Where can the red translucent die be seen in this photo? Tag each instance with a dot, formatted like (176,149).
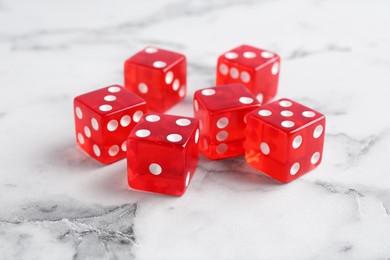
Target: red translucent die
(104,119)
(162,153)
(221,112)
(257,69)
(284,139)
(157,75)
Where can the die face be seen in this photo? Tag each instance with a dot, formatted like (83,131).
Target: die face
(221,112)
(287,115)
(285,139)
(104,119)
(162,153)
(158,58)
(108,100)
(153,173)
(257,69)
(230,72)
(225,98)
(158,76)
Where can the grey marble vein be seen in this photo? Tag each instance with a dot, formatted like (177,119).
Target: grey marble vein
(381,195)
(302,53)
(94,232)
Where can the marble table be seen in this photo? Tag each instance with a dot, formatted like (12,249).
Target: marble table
(56,203)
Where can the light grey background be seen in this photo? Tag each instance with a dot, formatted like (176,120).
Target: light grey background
(56,203)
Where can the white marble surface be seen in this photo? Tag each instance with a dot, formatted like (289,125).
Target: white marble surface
(55,203)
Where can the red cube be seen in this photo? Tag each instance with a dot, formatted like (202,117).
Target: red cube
(157,75)
(104,119)
(221,112)
(284,139)
(162,153)
(257,69)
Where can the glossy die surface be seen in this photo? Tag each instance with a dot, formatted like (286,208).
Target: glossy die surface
(104,119)
(257,69)
(162,153)
(158,76)
(284,139)
(221,113)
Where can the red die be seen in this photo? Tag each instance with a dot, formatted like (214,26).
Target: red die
(284,139)
(221,112)
(162,153)
(104,119)
(157,75)
(257,69)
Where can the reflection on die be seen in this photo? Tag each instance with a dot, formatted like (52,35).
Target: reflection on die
(255,68)
(158,76)
(104,119)
(284,139)
(162,153)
